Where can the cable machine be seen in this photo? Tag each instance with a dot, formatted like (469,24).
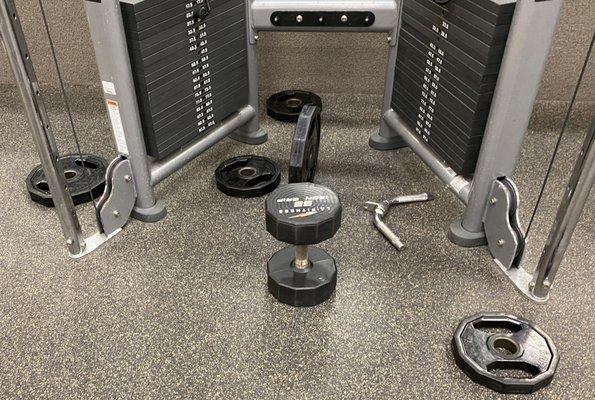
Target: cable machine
(179,76)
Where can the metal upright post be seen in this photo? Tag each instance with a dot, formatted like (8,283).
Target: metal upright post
(386,138)
(531,34)
(252,132)
(11,35)
(569,213)
(111,51)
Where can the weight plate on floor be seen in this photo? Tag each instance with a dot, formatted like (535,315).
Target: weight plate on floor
(85,178)
(505,353)
(247,176)
(305,146)
(287,105)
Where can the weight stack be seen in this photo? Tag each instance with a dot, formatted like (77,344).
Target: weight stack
(189,64)
(447,66)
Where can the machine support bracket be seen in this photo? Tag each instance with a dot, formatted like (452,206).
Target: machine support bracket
(506,241)
(116,204)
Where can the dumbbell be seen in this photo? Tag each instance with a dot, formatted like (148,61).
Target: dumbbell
(302,214)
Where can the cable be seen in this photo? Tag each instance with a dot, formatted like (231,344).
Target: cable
(67,104)
(557,147)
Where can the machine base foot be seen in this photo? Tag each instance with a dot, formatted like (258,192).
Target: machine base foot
(254,138)
(462,237)
(378,142)
(151,214)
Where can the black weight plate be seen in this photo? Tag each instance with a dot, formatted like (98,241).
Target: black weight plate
(160,102)
(193,106)
(305,145)
(440,113)
(247,176)
(438,123)
(454,143)
(143,50)
(163,103)
(419,57)
(498,13)
(475,122)
(505,353)
(137,7)
(458,68)
(287,105)
(85,178)
(190,120)
(226,45)
(171,35)
(440,142)
(453,34)
(181,20)
(444,96)
(451,50)
(456,159)
(223,109)
(172,73)
(462,18)
(426,75)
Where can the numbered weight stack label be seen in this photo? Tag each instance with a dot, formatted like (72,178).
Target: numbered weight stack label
(448,61)
(189,64)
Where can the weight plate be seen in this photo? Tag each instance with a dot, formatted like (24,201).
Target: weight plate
(305,145)
(505,353)
(415,56)
(85,178)
(287,105)
(247,176)
(458,68)
(168,145)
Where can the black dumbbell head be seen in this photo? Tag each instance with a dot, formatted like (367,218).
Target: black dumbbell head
(303,213)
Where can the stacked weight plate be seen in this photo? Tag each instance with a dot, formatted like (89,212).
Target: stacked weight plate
(448,61)
(190,70)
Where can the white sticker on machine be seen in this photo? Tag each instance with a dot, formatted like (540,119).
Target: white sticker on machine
(109,87)
(117,127)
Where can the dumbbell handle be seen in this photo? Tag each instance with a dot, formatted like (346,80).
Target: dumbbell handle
(301,257)
(380,210)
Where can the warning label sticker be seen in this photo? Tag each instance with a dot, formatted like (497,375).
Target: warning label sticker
(117,127)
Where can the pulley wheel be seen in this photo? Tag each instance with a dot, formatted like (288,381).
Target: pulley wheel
(85,178)
(247,176)
(305,146)
(505,353)
(287,105)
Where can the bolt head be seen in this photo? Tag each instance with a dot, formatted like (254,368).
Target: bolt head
(493,200)
(531,285)
(344,18)
(547,284)
(116,213)
(299,18)
(127,178)
(501,242)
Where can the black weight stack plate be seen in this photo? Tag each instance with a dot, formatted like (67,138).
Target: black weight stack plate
(247,176)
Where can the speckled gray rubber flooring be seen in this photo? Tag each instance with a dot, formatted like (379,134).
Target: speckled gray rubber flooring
(180,309)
